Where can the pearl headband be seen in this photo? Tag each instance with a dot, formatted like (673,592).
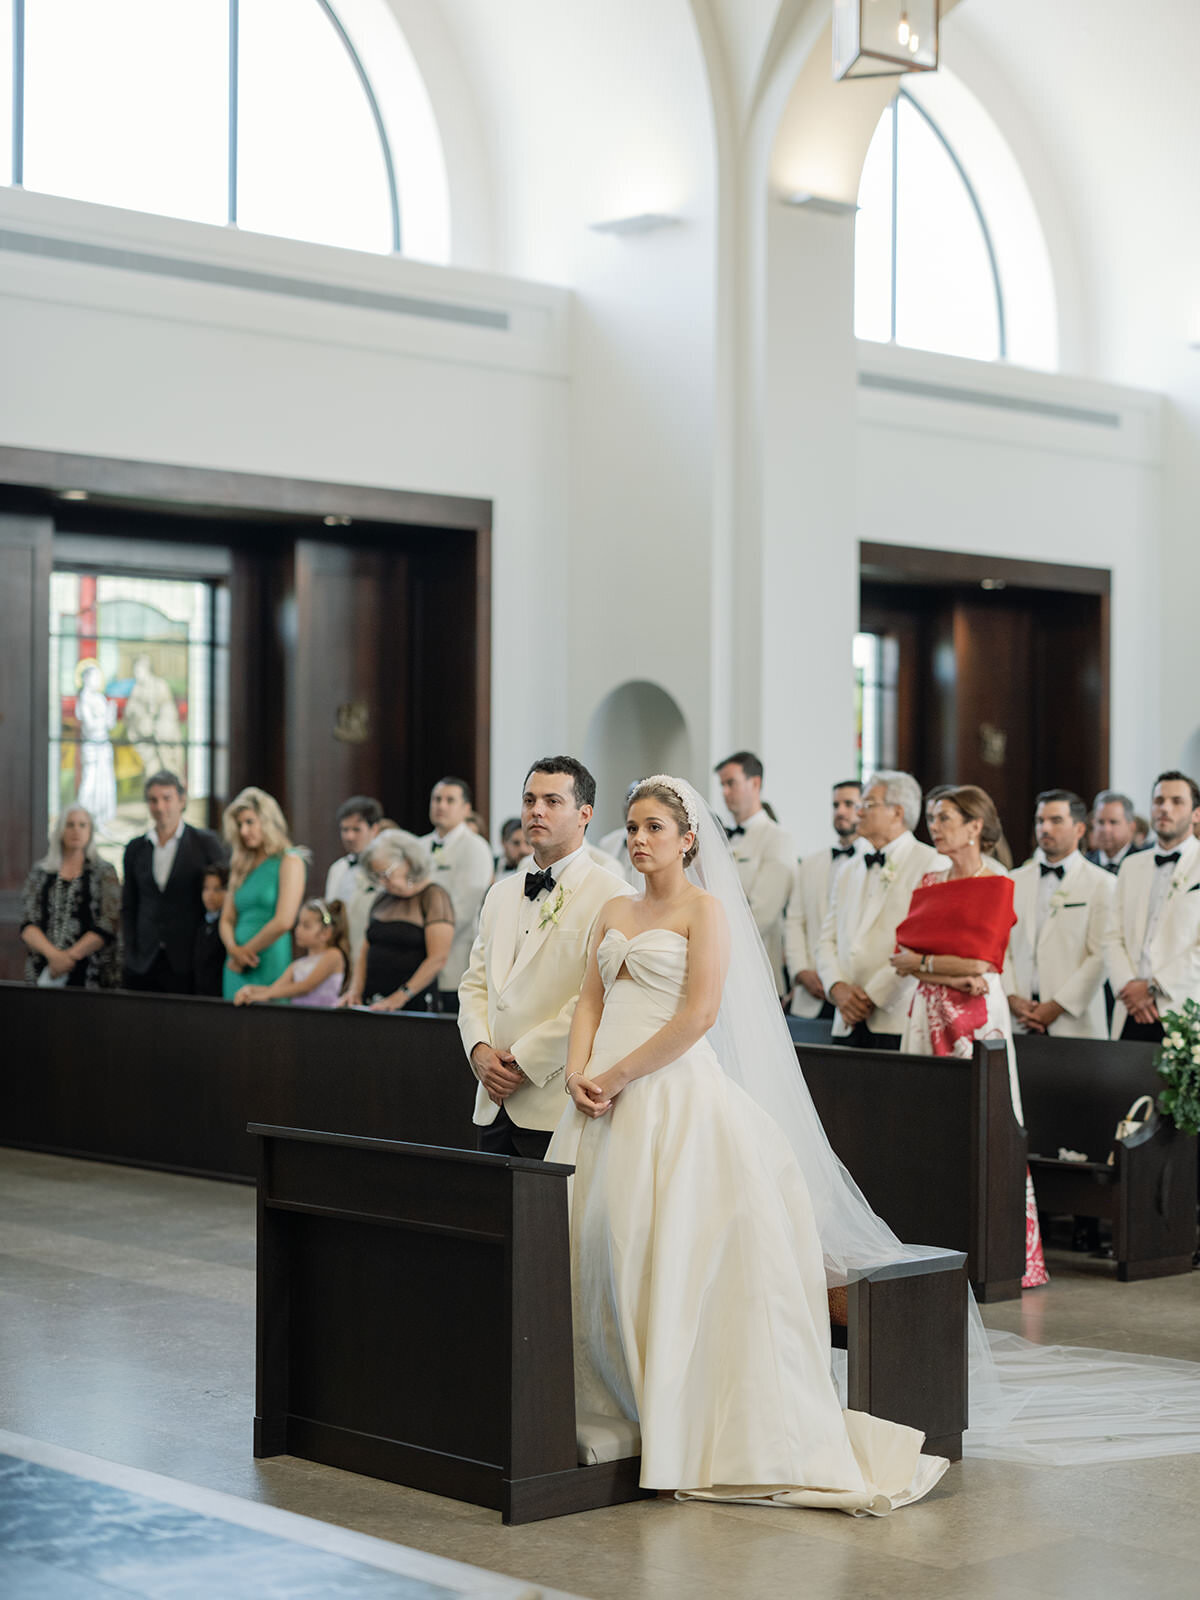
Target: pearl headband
(663,781)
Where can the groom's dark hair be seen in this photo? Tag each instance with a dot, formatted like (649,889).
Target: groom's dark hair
(750,764)
(581,778)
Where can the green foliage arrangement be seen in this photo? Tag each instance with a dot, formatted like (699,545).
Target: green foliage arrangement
(1178,1064)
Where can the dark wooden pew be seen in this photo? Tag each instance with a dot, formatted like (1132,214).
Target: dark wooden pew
(386,1269)
(933,1144)
(159,1081)
(1074,1092)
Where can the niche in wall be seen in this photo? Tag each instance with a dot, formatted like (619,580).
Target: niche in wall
(637,729)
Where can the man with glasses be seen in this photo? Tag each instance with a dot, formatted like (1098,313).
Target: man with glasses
(869,900)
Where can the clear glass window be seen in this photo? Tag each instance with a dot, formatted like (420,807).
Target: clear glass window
(139,673)
(126,103)
(876,701)
(925,273)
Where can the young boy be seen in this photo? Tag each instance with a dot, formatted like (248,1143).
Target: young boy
(209,959)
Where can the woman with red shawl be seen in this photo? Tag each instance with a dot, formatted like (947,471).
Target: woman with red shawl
(954,941)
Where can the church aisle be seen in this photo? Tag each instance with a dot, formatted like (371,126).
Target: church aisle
(127,1333)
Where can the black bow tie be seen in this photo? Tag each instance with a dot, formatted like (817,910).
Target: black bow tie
(875,858)
(535,882)
(1164,861)
(352,859)
(732,833)
(438,844)
(836,851)
(1112,866)
(1052,872)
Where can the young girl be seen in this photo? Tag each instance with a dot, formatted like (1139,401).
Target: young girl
(318,977)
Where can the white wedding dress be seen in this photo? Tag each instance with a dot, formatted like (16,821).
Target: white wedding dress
(700,1298)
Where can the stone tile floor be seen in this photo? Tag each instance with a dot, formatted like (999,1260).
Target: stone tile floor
(126,1332)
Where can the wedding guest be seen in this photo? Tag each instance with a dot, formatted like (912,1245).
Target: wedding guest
(808,904)
(1000,860)
(161,906)
(316,979)
(1115,825)
(266,882)
(1141,832)
(615,846)
(953,943)
(869,897)
(513,848)
(461,862)
(359,820)
(1153,951)
(1055,976)
(476,824)
(528,961)
(763,851)
(71,911)
(208,956)
(410,931)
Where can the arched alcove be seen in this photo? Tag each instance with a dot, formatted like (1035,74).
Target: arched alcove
(636,729)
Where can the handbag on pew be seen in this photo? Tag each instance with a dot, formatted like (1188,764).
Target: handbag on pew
(1131,1123)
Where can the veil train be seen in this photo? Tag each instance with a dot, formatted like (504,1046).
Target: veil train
(1041,1404)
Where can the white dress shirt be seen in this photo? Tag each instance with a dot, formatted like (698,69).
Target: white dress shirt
(1160,888)
(164,854)
(461,864)
(1048,882)
(531,910)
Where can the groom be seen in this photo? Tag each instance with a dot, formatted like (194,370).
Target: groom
(527,966)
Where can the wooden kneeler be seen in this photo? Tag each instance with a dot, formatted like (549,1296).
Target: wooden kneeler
(414,1324)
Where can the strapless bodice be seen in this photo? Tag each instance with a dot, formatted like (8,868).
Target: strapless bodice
(655,959)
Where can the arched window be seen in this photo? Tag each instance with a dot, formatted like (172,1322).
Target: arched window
(926,273)
(254,113)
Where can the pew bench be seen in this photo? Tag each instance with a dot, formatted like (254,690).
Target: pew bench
(414,1324)
(934,1145)
(1074,1092)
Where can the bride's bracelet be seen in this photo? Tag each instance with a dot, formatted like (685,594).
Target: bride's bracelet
(567,1085)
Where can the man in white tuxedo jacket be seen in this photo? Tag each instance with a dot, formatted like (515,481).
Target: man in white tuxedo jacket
(870,898)
(1054,975)
(461,863)
(809,903)
(528,963)
(1153,951)
(762,851)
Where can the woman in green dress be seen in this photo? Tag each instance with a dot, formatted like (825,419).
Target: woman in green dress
(266,884)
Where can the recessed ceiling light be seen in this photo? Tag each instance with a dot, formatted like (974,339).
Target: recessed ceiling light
(992,583)
(337,522)
(72,494)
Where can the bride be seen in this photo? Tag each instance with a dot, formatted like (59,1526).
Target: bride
(701,1305)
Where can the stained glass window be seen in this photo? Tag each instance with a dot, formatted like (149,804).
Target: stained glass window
(139,671)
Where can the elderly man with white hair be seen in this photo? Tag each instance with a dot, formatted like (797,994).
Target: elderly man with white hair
(870,898)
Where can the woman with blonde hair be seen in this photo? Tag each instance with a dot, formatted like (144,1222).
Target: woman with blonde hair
(71,916)
(266,886)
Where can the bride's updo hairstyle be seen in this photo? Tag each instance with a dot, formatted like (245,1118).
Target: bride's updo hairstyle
(672,801)
(974,804)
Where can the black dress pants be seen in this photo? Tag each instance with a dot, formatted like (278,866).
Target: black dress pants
(860,1037)
(159,978)
(1150,1032)
(504,1138)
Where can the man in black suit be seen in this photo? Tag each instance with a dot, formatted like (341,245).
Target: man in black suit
(1114,821)
(161,908)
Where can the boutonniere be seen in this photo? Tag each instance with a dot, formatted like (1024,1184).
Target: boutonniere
(887,874)
(552,909)
(1176,885)
(1057,900)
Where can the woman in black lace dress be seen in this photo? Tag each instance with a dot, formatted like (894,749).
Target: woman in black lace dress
(409,931)
(71,917)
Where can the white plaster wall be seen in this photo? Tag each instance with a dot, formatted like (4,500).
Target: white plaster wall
(948,476)
(120,363)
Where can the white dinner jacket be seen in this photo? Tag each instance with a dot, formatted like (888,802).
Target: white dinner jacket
(1175,952)
(765,858)
(1068,953)
(857,948)
(523,1001)
(805,917)
(464,868)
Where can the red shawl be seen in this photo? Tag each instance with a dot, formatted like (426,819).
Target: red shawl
(967,917)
